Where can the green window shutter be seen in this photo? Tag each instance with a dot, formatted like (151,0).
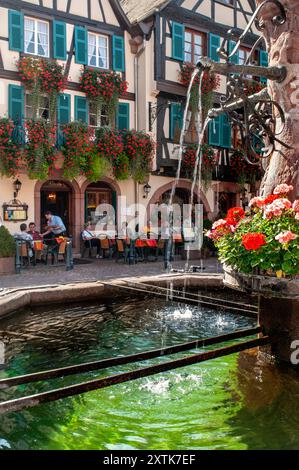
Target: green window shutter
(235,58)
(178,41)
(214,44)
(123,116)
(16,103)
(226,132)
(176,119)
(215,131)
(118,52)
(16,30)
(81,109)
(64,109)
(264,62)
(81,45)
(59,40)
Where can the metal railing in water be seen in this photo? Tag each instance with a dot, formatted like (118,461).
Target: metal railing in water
(77,389)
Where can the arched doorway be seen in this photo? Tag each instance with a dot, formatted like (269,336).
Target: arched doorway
(97,194)
(56,196)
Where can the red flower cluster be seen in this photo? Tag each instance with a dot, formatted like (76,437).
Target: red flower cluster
(76,148)
(139,148)
(95,83)
(252,87)
(110,146)
(253,241)
(48,76)
(10,153)
(234,216)
(209,160)
(210,81)
(239,166)
(39,151)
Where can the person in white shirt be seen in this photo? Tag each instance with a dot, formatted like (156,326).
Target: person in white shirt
(90,239)
(24,236)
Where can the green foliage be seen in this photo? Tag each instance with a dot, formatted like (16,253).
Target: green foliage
(7,243)
(270,258)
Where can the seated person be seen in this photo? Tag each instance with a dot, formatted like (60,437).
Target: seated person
(90,239)
(24,236)
(33,232)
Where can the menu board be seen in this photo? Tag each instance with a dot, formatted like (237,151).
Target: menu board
(15,213)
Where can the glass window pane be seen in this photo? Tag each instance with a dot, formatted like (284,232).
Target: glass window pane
(29,24)
(187,57)
(188,47)
(42,28)
(92,39)
(197,39)
(102,41)
(198,50)
(188,37)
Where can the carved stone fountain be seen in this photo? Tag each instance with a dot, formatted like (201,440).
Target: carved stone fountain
(273,117)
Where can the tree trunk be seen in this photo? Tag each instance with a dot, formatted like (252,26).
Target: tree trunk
(283,48)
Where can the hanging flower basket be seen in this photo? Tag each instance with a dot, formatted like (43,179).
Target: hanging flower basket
(39,152)
(263,241)
(139,148)
(103,89)
(110,147)
(208,166)
(10,153)
(210,83)
(42,77)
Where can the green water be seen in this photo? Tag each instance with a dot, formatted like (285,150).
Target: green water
(236,402)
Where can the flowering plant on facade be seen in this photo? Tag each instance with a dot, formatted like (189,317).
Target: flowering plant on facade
(10,153)
(42,77)
(251,87)
(210,82)
(139,148)
(76,148)
(103,89)
(39,152)
(266,238)
(110,146)
(209,163)
(243,171)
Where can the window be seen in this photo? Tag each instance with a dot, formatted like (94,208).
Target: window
(195,46)
(98,51)
(36,37)
(95,120)
(43,111)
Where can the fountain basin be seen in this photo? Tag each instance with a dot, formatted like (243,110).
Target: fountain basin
(278,308)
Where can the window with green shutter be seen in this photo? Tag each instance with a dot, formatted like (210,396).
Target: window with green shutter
(81,45)
(178,41)
(16,30)
(59,40)
(220,132)
(226,132)
(81,109)
(64,109)
(123,116)
(16,103)
(176,120)
(214,131)
(214,44)
(235,58)
(264,62)
(118,51)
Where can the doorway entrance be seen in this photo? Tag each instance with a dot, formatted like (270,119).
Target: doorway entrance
(56,196)
(97,194)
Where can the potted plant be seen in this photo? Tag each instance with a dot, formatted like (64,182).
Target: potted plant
(7,252)
(262,243)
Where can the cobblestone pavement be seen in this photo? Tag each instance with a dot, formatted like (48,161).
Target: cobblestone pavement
(94,270)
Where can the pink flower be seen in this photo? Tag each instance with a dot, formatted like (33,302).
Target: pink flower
(257,202)
(277,207)
(219,223)
(283,189)
(286,237)
(296,206)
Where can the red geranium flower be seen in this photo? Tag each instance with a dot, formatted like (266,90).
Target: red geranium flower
(271,198)
(234,215)
(253,241)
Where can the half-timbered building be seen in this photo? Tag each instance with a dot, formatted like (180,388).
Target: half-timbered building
(182,32)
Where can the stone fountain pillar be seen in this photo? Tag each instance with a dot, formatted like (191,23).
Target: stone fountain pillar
(283,48)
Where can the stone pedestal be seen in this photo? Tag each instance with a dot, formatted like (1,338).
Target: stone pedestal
(279,308)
